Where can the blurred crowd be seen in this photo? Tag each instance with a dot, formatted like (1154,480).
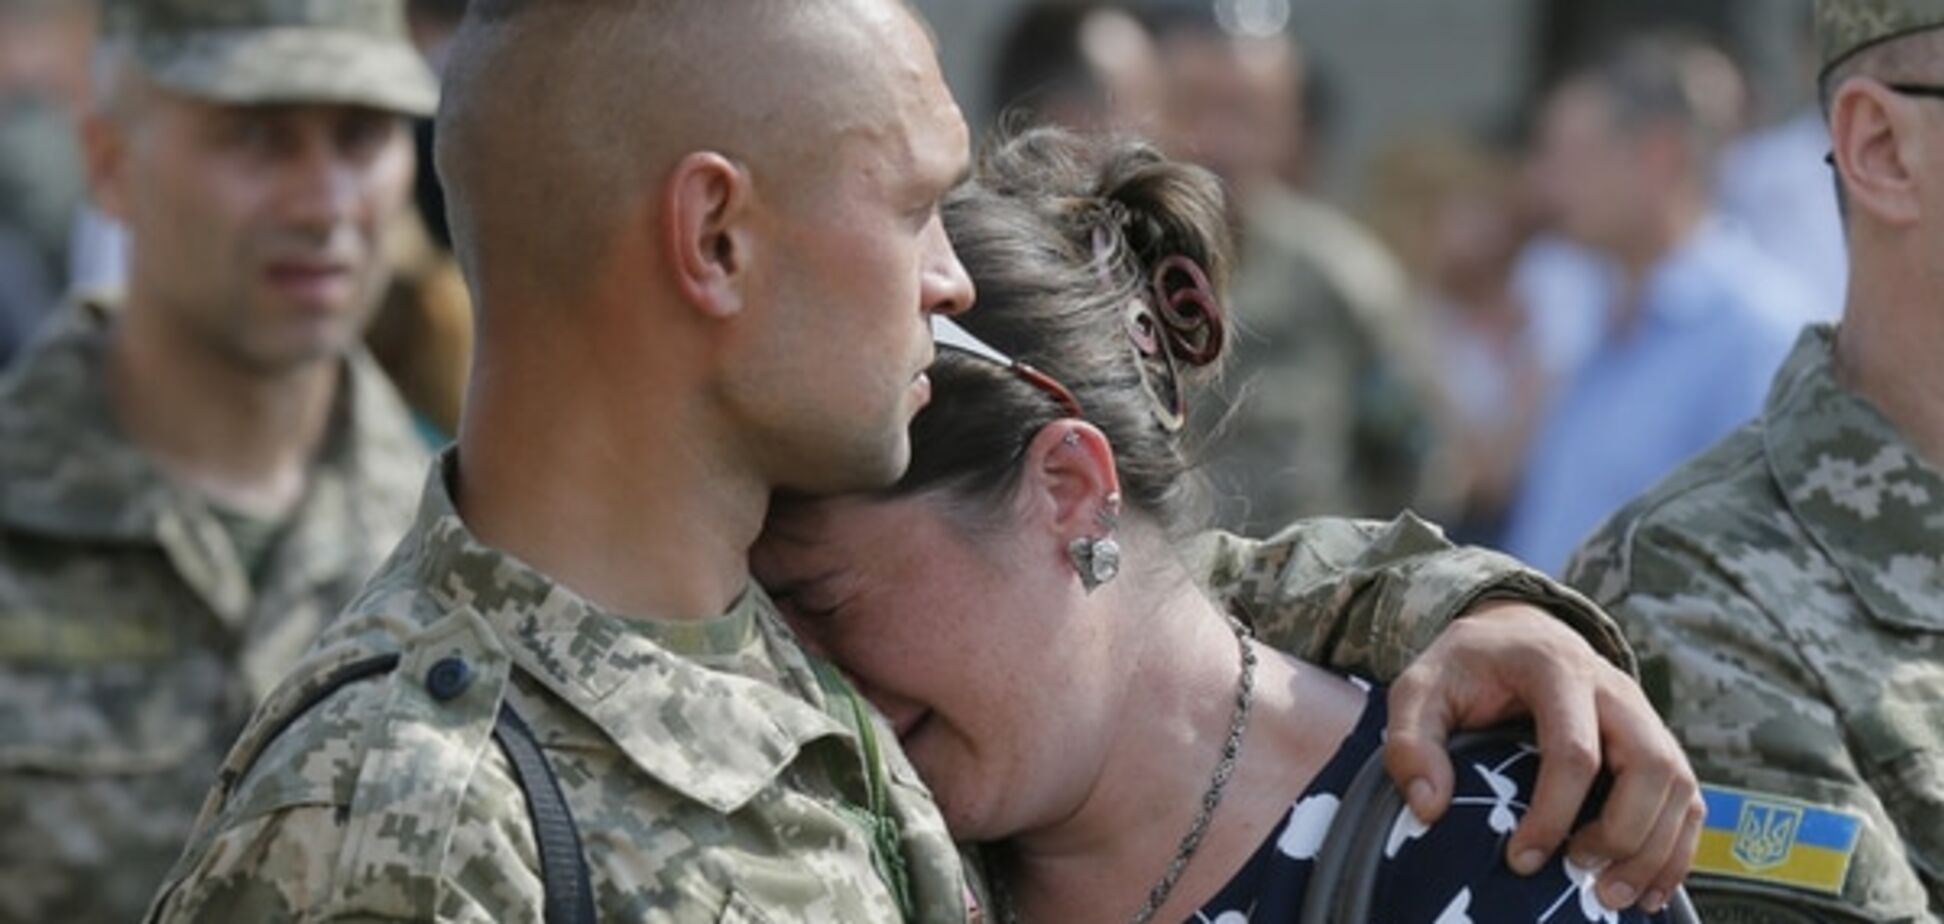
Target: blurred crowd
(1514,328)
(1511,328)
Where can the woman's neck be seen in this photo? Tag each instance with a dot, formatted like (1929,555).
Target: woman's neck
(1098,863)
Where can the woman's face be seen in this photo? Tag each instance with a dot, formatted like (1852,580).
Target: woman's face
(970,643)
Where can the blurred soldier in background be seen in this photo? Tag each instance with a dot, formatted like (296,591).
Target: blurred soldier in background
(1786,590)
(1700,317)
(1334,401)
(1088,65)
(194,478)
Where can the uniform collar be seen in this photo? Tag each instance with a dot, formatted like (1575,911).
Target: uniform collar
(716,737)
(1870,502)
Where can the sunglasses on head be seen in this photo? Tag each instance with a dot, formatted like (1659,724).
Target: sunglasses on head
(947,334)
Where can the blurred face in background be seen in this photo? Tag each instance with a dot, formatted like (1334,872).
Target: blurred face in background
(1230,104)
(1591,176)
(258,232)
(45,50)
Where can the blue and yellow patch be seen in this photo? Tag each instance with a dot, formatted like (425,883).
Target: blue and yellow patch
(1771,839)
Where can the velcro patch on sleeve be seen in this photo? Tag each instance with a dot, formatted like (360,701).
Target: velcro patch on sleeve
(1775,839)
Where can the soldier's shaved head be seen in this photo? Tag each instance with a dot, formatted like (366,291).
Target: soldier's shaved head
(561,117)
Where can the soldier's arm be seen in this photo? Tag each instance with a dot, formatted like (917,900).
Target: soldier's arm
(1751,713)
(286,866)
(1372,597)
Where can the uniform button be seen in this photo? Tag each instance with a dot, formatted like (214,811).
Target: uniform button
(448,678)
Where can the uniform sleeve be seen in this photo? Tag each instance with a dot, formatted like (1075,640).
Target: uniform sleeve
(1745,704)
(1370,597)
(292,865)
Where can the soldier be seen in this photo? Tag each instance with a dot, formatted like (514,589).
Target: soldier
(1335,407)
(1786,589)
(194,477)
(696,284)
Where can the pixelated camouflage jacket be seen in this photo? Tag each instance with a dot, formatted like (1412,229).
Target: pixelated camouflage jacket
(1786,594)
(132,644)
(701,763)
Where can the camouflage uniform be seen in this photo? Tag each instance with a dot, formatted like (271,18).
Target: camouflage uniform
(133,645)
(713,774)
(1368,597)
(135,638)
(1786,594)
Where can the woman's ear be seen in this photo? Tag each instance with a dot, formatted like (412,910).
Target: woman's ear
(705,226)
(1070,484)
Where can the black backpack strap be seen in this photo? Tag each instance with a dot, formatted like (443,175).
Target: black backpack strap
(1343,885)
(563,866)
(344,676)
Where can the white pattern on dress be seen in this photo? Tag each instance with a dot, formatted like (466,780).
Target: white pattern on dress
(1504,799)
(1585,880)
(1309,824)
(1459,911)
(1226,917)
(1405,829)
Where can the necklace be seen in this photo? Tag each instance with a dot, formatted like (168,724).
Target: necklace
(1212,797)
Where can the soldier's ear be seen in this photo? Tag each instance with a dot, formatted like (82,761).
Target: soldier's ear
(1875,135)
(104,149)
(706,232)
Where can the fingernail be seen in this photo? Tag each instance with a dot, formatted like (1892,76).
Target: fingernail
(1617,895)
(1529,861)
(1420,796)
(1586,861)
(1654,902)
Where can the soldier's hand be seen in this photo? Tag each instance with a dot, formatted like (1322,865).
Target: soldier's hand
(1507,660)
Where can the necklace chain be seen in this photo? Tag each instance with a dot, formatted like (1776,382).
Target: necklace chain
(1211,798)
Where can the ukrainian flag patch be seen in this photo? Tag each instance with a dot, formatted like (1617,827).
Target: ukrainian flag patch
(1766,838)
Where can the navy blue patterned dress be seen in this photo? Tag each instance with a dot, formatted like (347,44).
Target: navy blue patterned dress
(1453,872)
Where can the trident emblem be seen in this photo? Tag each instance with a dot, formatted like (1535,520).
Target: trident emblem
(1765,833)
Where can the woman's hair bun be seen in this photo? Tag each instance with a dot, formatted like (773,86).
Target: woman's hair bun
(1174,226)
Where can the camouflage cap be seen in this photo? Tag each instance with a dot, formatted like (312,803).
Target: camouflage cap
(1845,27)
(279,51)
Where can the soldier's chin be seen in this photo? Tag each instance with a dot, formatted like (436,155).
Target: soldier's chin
(859,471)
(292,354)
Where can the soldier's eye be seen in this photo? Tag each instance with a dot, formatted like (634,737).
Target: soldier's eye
(362,134)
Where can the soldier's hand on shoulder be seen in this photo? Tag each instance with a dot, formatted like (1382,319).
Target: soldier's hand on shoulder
(1507,660)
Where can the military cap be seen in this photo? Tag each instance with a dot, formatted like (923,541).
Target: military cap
(279,51)
(1845,27)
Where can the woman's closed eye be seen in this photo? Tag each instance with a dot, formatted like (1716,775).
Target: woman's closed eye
(811,601)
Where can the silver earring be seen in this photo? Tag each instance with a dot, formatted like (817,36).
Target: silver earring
(1097,560)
